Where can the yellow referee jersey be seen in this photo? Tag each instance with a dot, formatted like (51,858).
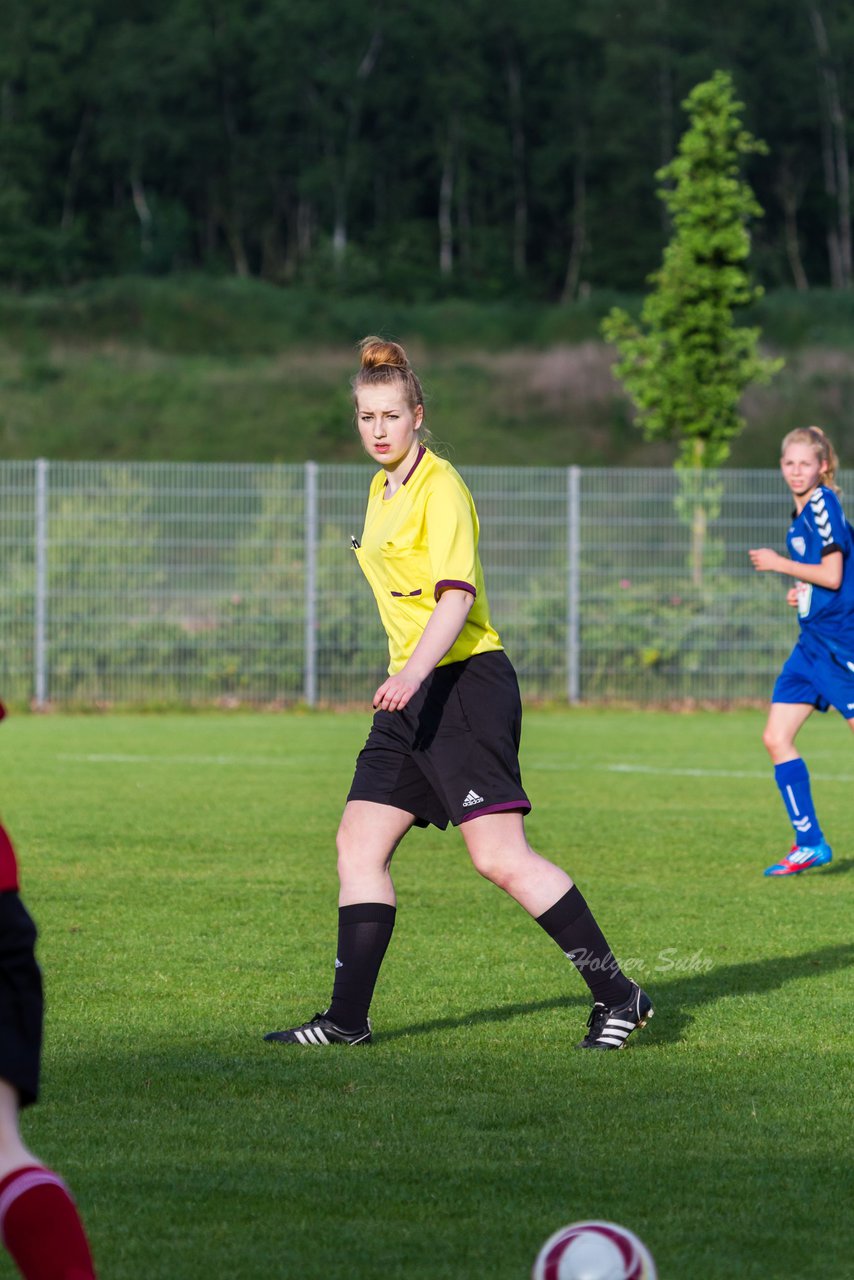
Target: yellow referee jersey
(417,544)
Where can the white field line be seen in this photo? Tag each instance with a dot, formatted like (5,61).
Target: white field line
(252,762)
(553,767)
(544,766)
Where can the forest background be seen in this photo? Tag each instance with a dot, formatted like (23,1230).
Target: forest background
(205,203)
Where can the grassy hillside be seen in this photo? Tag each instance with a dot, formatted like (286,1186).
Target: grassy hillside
(214,370)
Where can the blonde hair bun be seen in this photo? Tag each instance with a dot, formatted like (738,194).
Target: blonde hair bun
(378,351)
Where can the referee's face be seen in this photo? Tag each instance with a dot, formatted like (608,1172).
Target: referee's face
(387,425)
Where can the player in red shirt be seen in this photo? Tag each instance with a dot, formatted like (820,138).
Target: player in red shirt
(39,1224)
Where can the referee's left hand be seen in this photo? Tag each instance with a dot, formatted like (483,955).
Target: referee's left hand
(394,693)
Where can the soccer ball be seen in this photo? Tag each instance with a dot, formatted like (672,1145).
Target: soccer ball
(594,1251)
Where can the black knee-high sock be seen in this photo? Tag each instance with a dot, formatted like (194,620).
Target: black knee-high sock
(571,924)
(364,932)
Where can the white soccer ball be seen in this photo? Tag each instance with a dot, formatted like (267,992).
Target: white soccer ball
(594,1251)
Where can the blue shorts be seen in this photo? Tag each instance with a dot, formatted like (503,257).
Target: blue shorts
(817,677)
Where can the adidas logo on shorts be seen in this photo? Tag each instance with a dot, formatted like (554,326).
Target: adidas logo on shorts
(471,799)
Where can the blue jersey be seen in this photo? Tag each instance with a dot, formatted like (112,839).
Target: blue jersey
(824,615)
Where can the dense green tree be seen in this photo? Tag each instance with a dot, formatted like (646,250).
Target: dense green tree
(414,146)
(45,136)
(687,363)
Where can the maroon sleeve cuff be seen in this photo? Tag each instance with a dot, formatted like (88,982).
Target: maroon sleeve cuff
(457,586)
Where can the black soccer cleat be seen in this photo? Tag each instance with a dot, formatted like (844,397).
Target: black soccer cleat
(321,1031)
(611,1028)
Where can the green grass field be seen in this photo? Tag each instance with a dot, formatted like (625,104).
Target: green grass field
(182,873)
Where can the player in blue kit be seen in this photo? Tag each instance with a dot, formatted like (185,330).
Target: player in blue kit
(819,673)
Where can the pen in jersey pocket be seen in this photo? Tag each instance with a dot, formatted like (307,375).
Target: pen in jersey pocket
(355,543)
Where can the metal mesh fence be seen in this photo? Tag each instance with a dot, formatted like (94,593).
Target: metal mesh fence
(148,583)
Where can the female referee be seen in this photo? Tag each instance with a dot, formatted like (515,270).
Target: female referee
(819,673)
(443,746)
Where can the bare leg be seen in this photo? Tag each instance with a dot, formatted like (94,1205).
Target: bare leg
(368,835)
(785,720)
(39,1222)
(13,1153)
(500,851)
(367,838)
(810,849)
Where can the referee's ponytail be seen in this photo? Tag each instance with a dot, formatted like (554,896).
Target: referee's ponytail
(824,451)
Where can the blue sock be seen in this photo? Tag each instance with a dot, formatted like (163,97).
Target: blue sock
(793,779)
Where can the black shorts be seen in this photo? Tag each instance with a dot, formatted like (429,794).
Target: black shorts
(452,753)
(21,1002)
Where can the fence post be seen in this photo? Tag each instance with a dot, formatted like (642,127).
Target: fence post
(40,637)
(573,594)
(311,583)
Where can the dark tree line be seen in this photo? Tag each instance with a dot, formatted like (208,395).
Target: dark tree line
(418,146)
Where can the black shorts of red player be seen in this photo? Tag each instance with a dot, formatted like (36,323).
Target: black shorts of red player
(21,999)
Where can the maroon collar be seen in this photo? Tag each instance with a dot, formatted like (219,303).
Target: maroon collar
(422,449)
